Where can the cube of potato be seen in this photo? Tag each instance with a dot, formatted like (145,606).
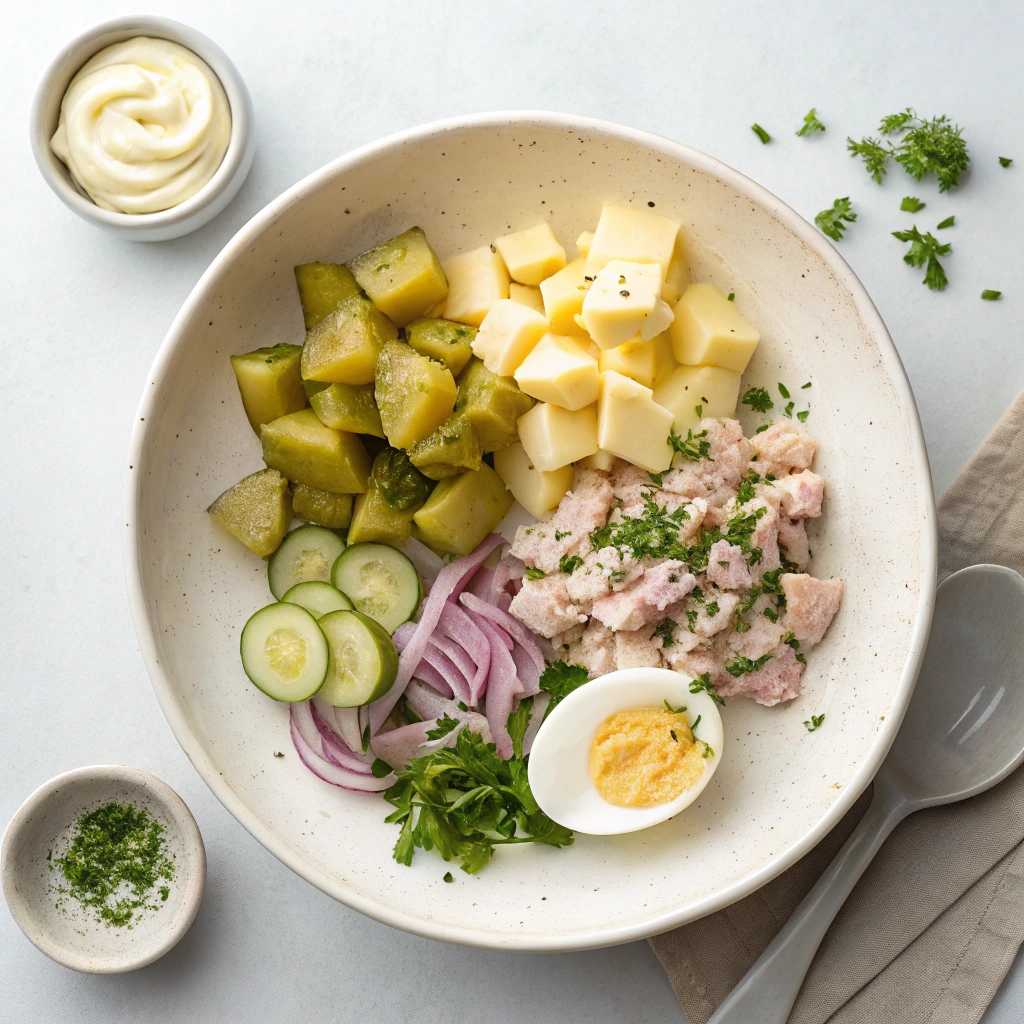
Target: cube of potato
(601,460)
(307,452)
(635,359)
(563,295)
(492,404)
(531,255)
(321,507)
(269,383)
(709,329)
(677,280)
(257,511)
(639,236)
(476,280)
(631,425)
(559,370)
(584,242)
(538,492)
(415,394)
(343,347)
(526,295)
(446,340)
(507,336)
(462,510)
(553,437)
(350,407)
(625,300)
(709,388)
(402,276)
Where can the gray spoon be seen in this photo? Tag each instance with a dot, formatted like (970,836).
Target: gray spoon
(963,733)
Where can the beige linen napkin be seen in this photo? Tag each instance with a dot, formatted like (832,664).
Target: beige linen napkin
(932,927)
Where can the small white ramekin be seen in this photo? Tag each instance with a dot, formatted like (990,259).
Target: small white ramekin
(213,197)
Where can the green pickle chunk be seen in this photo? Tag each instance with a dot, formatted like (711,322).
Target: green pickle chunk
(343,347)
(373,519)
(492,404)
(307,452)
(350,407)
(451,449)
(323,287)
(257,511)
(462,510)
(321,507)
(269,383)
(415,394)
(444,340)
(399,482)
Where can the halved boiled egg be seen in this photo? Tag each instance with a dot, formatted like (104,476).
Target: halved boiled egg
(626,751)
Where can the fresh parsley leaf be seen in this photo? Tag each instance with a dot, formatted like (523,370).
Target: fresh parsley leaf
(444,726)
(560,679)
(814,723)
(1005,161)
(873,153)
(791,641)
(911,204)
(934,145)
(990,295)
(666,630)
(746,491)
(761,429)
(518,720)
(448,877)
(758,399)
(692,447)
(783,390)
(569,564)
(654,533)
(761,133)
(947,223)
(380,768)
(657,478)
(535,574)
(740,665)
(925,250)
(803,414)
(831,221)
(703,683)
(788,411)
(811,124)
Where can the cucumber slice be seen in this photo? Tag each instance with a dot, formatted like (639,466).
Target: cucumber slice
(305,554)
(380,581)
(284,652)
(363,660)
(318,598)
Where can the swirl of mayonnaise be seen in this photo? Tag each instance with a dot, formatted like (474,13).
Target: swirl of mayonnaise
(143,126)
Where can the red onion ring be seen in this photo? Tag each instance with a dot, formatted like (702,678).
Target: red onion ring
(323,769)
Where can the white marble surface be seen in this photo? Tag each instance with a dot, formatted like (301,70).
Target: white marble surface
(83,315)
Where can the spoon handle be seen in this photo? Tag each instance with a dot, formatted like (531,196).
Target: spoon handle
(767,992)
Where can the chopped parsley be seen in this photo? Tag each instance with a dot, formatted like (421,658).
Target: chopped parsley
(731,296)
(791,641)
(804,387)
(761,429)
(873,153)
(746,491)
(741,665)
(947,223)
(560,678)
(712,609)
(788,410)
(925,251)
(516,724)
(535,574)
(990,295)
(811,124)
(562,534)
(447,877)
(758,399)
(814,723)
(692,447)
(703,683)
(761,133)
(783,390)
(803,414)
(657,478)
(1005,161)
(674,711)
(666,630)
(380,768)
(911,204)
(444,726)
(831,221)
(569,564)
(654,534)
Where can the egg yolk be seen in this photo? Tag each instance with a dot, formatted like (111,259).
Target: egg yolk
(645,756)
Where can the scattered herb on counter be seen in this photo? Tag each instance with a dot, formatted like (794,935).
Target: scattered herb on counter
(990,295)
(928,146)
(1005,161)
(947,223)
(693,446)
(115,861)
(814,723)
(758,399)
(925,250)
(811,124)
(443,728)
(761,133)
(911,204)
(704,683)
(534,573)
(873,153)
(831,221)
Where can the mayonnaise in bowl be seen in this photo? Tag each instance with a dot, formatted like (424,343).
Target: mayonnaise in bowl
(143,126)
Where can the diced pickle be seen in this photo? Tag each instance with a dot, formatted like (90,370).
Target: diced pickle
(449,450)
(375,520)
(343,347)
(402,276)
(462,510)
(257,511)
(403,486)
(345,406)
(492,404)
(415,394)
(269,382)
(445,340)
(307,452)
(321,507)
(323,287)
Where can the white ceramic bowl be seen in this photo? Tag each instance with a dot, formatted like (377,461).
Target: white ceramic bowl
(780,788)
(70,935)
(211,199)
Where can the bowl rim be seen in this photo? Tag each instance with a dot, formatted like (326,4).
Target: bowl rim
(69,61)
(566,939)
(177,811)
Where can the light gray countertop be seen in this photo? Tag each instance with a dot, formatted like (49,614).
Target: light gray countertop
(83,314)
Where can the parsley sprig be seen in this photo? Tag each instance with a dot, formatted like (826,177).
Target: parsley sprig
(693,446)
(814,723)
(832,221)
(704,683)
(758,399)
(925,251)
(811,124)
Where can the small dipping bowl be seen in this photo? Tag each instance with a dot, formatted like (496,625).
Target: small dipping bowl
(72,934)
(194,212)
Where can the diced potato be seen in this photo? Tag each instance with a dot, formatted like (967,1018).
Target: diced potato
(526,296)
(451,449)
(531,255)
(269,383)
(348,407)
(631,425)
(563,295)
(321,507)
(709,329)
(415,394)
(625,300)
(507,336)
(710,388)
(599,460)
(639,236)
(402,276)
(343,347)
(536,491)
(257,511)
(373,519)
(476,280)
(554,437)
(462,510)
(445,340)
(559,370)
(677,280)
(635,359)
(323,287)
(307,452)
(492,404)
(664,360)
(584,242)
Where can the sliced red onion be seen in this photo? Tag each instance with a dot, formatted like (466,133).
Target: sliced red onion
(458,684)
(526,671)
(428,674)
(540,705)
(347,721)
(334,749)
(322,768)
(403,635)
(459,627)
(520,633)
(502,687)
(399,746)
(426,563)
(481,583)
(449,584)
(499,581)
(457,653)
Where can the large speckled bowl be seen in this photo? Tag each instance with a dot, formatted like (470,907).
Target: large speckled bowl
(779,789)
